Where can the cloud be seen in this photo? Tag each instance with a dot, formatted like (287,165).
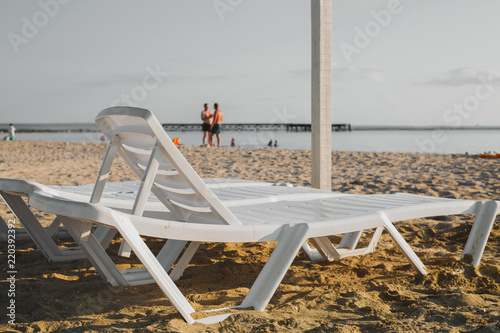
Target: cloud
(126,79)
(363,73)
(137,78)
(301,72)
(190,78)
(464,76)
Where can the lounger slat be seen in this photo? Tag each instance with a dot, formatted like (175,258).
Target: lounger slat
(141,162)
(173,181)
(137,140)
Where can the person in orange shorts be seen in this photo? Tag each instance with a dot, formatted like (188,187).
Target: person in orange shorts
(216,126)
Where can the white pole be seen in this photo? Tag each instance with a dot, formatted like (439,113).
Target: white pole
(321,104)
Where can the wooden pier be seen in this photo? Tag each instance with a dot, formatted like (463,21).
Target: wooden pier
(255,127)
(307,127)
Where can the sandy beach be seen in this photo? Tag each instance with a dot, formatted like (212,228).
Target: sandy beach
(378,292)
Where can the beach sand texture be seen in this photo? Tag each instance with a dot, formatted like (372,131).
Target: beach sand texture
(377,292)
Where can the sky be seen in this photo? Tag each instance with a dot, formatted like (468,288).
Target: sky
(395,62)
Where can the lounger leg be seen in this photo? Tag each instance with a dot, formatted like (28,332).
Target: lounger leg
(313,254)
(125,250)
(350,240)
(325,248)
(480,231)
(403,245)
(105,266)
(375,238)
(170,252)
(4,229)
(52,228)
(276,267)
(34,229)
(130,234)
(96,254)
(104,235)
(181,265)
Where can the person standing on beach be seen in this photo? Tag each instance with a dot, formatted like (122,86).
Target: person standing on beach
(12,132)
(207,117)
(216,126)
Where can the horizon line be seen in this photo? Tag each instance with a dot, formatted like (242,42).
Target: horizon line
(92,126)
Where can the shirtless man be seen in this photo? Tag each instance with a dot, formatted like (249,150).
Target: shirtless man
(207,116)
(216,126)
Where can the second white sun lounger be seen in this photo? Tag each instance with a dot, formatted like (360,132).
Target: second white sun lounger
(119,196)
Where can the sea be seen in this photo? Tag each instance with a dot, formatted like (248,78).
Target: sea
(443,141)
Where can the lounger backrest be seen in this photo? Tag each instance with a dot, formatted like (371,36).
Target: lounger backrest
(149,151)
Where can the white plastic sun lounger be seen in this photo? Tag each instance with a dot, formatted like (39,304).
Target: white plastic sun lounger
(196,214)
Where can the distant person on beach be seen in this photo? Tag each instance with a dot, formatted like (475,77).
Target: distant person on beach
(233,143)
(276,143)
(207,117)
(270,144)
(216,126)
(12,133)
